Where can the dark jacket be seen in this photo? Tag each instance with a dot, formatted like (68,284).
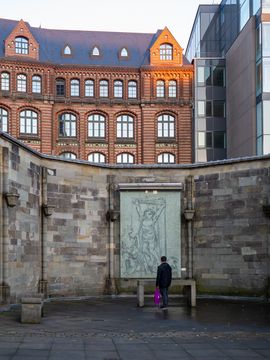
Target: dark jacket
(164,275)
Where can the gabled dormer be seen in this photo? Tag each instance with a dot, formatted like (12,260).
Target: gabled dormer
(166,50)
(21,42)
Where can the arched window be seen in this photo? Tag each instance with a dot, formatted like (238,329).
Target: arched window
(60,87)
(5,81)
(3,120)
(36,84)
(21,83)
(118,89)
(68,155)
(125,158)
(28,122)
(125,127)
(172,89)
(124,52)
(67,125)
(67,50)
(96,126)
(166,126)
(103,88)
(21,45)
(132,89)
(75,87)
(96,157)
(160,88)
(89,88)
(166,52)
(95,51)
(166,158)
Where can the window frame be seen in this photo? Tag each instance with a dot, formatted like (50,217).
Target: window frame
(4,119)
(160,89)
(21,83)
(68,155)
(104,88)
(166,124)
(67,125)
(5,81)
(125,126)
(60,87)
(118,89)
(30,122)
(36,84)
(166,52)
(21,45)
(169,155)
(172,90)
(128,157)
(99,155)
(131,90)
(96,124)
(75,87)
(89,88)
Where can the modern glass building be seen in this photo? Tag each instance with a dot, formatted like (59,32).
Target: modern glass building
(230,48)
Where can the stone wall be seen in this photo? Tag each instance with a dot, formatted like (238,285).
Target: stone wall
(75,251)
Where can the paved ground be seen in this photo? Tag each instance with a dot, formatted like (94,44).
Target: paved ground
(110,329)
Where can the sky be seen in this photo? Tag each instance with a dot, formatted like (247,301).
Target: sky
(143,16)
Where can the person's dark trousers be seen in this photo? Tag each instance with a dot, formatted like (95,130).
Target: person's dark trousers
(164,294)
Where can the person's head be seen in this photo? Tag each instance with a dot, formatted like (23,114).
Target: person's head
(163,259)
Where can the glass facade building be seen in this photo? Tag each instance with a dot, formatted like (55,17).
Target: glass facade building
(216,28)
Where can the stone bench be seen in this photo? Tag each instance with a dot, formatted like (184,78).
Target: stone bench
(189,284)
(31,310)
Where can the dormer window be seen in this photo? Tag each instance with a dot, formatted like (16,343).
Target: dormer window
(95,51)
(124,52)
(166,52)
(21,45)
(67,50)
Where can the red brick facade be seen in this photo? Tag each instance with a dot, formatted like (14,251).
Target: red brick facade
(145,109)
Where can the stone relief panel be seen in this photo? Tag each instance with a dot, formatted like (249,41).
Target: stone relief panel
(149,228)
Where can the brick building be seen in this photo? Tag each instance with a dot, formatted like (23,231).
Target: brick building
(98,96)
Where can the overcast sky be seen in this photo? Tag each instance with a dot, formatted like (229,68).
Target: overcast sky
(145,16)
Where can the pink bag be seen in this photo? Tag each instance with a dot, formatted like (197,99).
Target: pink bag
(156,296)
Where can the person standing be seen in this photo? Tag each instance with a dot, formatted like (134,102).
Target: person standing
(163,280)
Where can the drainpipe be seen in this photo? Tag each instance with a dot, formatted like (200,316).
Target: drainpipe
(112,216)
(189,214)
(4,287)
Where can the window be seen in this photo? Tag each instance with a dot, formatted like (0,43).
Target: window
(166,158)
(60,87)
(28,122)
(218,108)
(36,84)
(75,87)
(166,52)
(172,89)
(118,89)
(125,158)
(166,126)
(132,89)
(124,52)
(96,126)
(219,139)
(21,45)
(89,88)
(21,83)
(67,125)
(67,50)
(204,76)
(96,157)
(103,88)
(3,120)
(5,81)
(68,155)
(160,88)
(95,51)
(218,76)
(259,77)
(201,139)
(244,13)
(125,127)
